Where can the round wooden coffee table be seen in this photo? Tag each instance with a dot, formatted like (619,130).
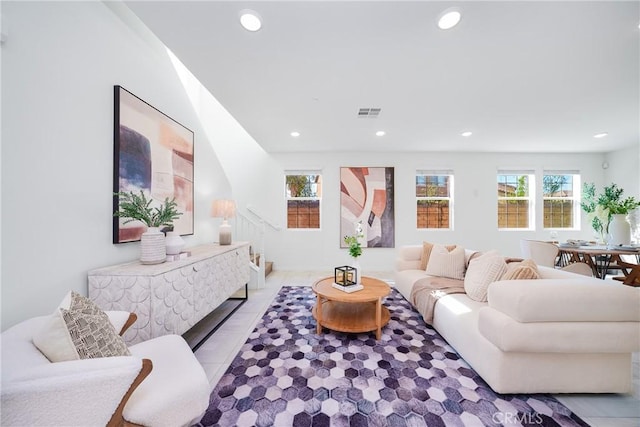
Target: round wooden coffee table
(359,311)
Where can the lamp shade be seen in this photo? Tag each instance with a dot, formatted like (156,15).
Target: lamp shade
(222,208)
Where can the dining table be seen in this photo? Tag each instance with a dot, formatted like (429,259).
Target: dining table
(601,258)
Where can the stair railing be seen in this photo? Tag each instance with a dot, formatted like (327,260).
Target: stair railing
(253,231)
(251,226)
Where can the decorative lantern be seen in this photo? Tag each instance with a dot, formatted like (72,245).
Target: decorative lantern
(346,275)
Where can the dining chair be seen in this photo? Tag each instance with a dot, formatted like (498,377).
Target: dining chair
(631,273)
(542,253)
(546,254)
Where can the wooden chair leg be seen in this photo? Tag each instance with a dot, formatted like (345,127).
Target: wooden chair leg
(117,419)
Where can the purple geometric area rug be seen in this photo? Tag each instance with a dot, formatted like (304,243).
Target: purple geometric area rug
(286,375)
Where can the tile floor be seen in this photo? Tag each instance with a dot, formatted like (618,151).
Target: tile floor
(600,410)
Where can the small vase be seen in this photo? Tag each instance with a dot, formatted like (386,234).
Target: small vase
(152,247)
(174,243)
(356,265)
(620,230)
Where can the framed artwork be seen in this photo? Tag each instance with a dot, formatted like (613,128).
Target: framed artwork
(152,153)
(366,197)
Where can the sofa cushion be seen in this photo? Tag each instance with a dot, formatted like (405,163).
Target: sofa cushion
(557,337)
(426,253)
(523,270)
(78,329)
(154,403)
(445,263)
(483,270)
(579,299)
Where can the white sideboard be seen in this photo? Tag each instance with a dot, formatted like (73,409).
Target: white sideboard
(171,297)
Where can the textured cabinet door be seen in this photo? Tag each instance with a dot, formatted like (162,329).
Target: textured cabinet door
(170,298)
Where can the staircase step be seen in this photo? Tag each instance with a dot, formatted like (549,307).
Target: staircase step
(268,268)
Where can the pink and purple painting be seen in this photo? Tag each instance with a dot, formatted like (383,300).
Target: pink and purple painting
(366,197)
(152,153)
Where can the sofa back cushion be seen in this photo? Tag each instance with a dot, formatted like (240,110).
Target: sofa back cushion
(18,352)
(582,299)
(483,270)
(445,263)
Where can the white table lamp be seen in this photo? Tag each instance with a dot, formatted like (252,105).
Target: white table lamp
(224,209)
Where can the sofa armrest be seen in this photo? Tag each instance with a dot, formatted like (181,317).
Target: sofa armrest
(408,257)
(86,391)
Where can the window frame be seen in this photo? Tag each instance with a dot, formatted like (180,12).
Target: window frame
(531,198)
(576,198)
(450,198)
(317,197)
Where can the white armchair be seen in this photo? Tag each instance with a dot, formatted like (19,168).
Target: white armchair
(160,384)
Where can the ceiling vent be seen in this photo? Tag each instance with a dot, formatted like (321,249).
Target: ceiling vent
(369,113)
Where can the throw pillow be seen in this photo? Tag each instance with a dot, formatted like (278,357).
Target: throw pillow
(93,335)
(85,332)
(483,271)
(523,270)
(426,253)
(445,263)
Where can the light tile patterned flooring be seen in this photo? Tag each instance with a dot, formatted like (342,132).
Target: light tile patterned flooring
(215,355)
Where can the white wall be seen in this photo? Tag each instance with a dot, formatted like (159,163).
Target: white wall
(59,64)
(623,169)
(475,204)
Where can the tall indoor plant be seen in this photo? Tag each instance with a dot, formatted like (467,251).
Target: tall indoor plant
(136,207)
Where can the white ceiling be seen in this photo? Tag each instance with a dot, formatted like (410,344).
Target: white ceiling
(522,76)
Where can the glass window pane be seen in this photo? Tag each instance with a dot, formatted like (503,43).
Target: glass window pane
(302,185)
(421,186)
(513,214)
(557,186)
(303,214)
(558,213)
(432,213)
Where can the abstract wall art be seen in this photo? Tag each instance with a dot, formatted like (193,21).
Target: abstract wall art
(366,196)
(152,153)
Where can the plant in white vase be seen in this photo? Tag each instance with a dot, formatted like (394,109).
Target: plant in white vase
(607,212)
(136,207)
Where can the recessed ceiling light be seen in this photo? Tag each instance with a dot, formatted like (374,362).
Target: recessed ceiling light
(449,18)
(295,134)
(466,133)
(250,20)
(600,135)
(380,133)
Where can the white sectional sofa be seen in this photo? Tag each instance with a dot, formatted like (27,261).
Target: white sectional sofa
(562,333)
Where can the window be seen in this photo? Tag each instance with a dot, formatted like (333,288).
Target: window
(434,199)
(515,200)
(561,199)
(304,191)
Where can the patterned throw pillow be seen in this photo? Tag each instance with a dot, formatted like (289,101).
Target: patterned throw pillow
(93,335)
(79,329)
(523,270)
(443,263)
(483,271)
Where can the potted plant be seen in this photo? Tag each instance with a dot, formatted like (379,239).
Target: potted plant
(607,212)
(136,207)
(355,248)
